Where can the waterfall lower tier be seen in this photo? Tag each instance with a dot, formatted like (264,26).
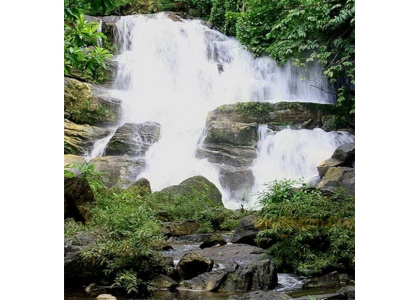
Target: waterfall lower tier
(174,73)
(292,154)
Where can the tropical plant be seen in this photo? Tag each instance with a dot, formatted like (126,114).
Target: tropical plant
(306,231)
(84,57)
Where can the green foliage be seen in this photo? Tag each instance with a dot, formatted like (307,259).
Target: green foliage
(259,110)
(128,279)
(127,250)
(83,55)
(224,13)
(72,227)
(130,236)
(308,232)
(304,31)
(203,7)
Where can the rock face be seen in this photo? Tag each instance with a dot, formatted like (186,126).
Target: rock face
(133,139)
(339,170)
(80,139)
(237,267)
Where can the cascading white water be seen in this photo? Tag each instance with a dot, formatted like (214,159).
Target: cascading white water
(99,147)
(174,73)
(292,154)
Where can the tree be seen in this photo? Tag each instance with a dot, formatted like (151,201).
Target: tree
(303,31)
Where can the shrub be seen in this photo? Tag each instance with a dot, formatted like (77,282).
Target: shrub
(307,231)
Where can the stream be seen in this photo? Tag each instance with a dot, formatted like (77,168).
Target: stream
(287,282)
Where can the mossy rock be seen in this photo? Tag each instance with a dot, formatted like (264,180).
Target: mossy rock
(86,104)
(197,187)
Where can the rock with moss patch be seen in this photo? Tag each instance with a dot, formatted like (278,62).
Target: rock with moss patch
(89,104)
(197,187)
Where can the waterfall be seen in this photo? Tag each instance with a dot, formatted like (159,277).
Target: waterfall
(292,154)
(174,73)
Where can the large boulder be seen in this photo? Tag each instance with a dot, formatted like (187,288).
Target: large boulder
(89,104)
(237,267)
(80,139)
(195,186)
(133,139)
(119,170)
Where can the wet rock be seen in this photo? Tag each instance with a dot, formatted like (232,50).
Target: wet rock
(133,139)
(193,264)
(245,232)
(240,267)
(213,240)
